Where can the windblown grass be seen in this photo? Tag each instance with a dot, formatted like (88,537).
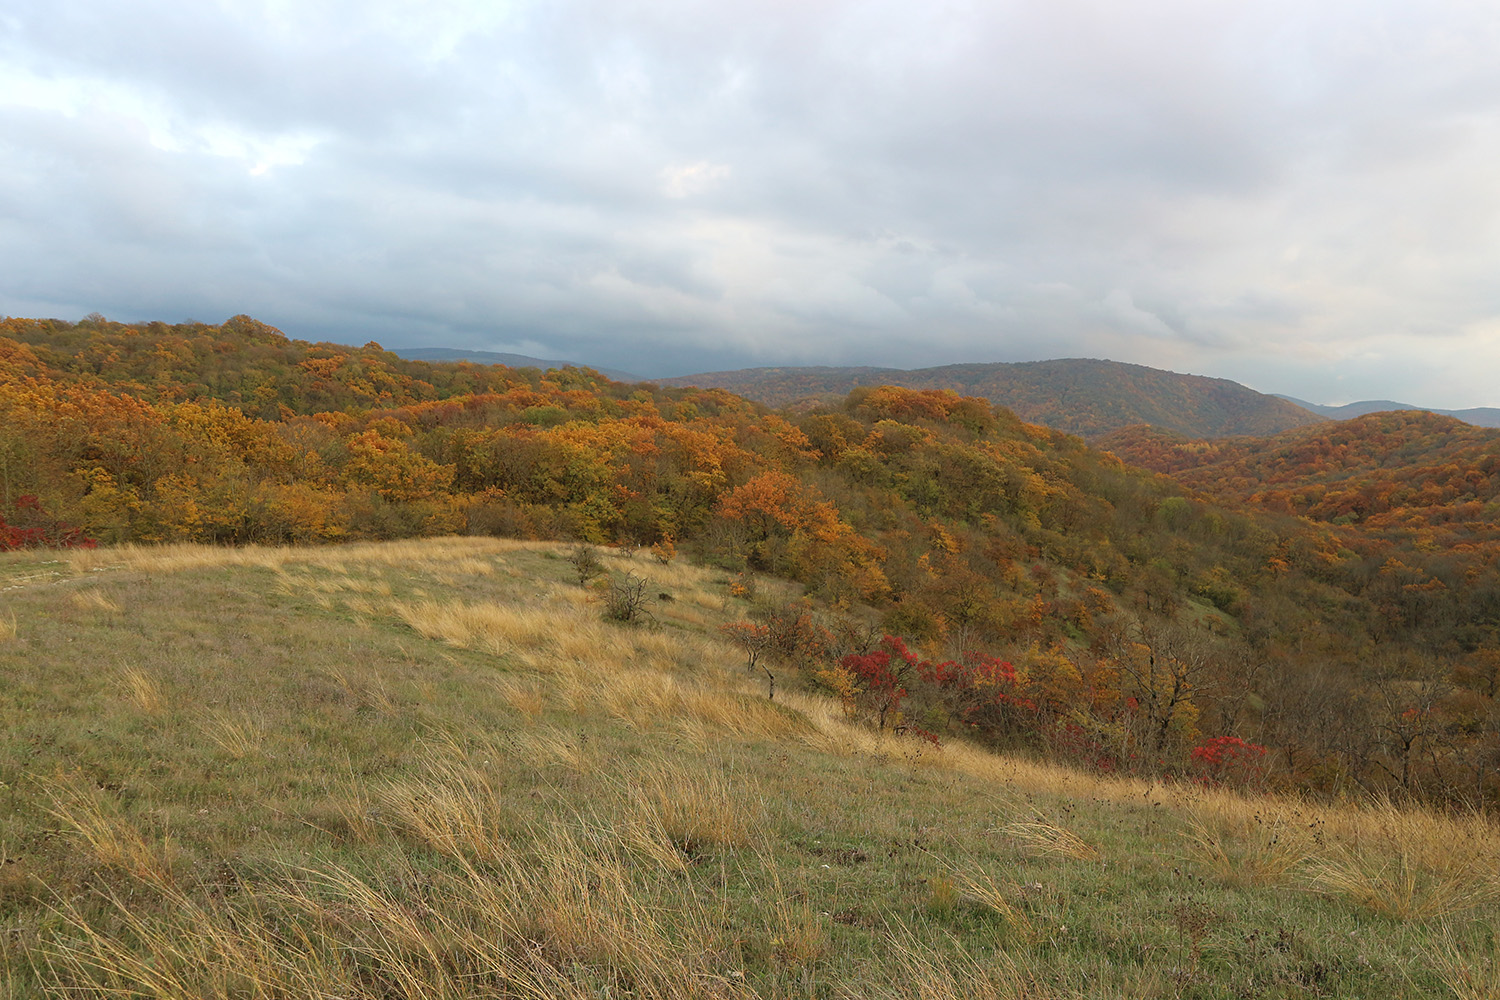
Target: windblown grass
(1046,839)
(112,840)
(430,769)
(142,689)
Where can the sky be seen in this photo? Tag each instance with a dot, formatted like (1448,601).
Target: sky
(1301,196)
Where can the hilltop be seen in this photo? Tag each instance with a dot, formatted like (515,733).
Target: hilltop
(1079,396)
(449,354)
(435,769)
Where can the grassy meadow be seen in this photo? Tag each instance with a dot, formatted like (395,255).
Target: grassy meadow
(433,769)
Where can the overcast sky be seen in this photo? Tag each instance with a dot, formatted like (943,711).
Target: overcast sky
(1302,195)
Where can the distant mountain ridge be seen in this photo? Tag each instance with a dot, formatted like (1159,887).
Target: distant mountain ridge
(1479,416)
(448,354)
(1082,396)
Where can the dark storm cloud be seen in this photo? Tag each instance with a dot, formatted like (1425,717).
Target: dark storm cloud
(1271,192)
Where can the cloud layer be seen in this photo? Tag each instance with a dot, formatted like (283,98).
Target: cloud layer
(1300,196)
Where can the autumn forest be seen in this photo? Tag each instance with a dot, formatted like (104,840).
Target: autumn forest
(1317,610)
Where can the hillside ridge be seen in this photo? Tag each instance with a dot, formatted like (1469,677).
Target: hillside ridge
(1084,396)
(1479,416)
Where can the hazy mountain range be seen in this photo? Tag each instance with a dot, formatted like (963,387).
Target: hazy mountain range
(1479,416)
(1082,396)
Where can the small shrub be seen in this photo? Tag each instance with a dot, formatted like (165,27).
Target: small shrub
(585,562)
(1229,760)
(30,527)
(627,599)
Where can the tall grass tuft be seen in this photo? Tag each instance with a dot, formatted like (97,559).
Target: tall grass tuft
(142,690)
(1470,977)
(982,888)
(1044,838)
(922,974)
(452,806)
(698,809)
(110,838)
(1396,885)
(1264,854)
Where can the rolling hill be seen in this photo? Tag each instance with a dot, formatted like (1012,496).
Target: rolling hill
(1387,469)
(1071,605)
(1086,397)
(455,766)
(1479,416)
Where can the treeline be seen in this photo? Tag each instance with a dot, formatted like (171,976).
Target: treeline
(1137,621)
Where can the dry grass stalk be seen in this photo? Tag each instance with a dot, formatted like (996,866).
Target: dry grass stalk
(8,627)
(548,745)
(524,697)
(142,690)
(1266,854)
(1470,977)
(1397,886)
(799,935)
(369,690)
(93,600)
(983,889)
(1046,839)
(453,807)
(113,840)
(239,736)
(922,974)
(696,809)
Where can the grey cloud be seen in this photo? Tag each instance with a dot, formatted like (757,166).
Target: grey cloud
(668,186)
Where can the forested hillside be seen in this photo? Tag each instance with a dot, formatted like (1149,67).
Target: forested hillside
(1038,594)
(1079,396)
(1430,481)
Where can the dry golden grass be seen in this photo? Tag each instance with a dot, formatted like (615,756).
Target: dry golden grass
(237,735)
(454,806)
(93,600)
(504,628)
(1470,977)
(568,923)
(981,887)
(525,696)
(1398,887)
(799,933)
(921,974)
(143,690)
(364,688)
(111,839)
(415,556)
(8,627)
(1262,853)
(1044,838)
(547,745)
(697,809)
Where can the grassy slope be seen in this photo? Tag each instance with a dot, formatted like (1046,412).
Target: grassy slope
(431,769)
